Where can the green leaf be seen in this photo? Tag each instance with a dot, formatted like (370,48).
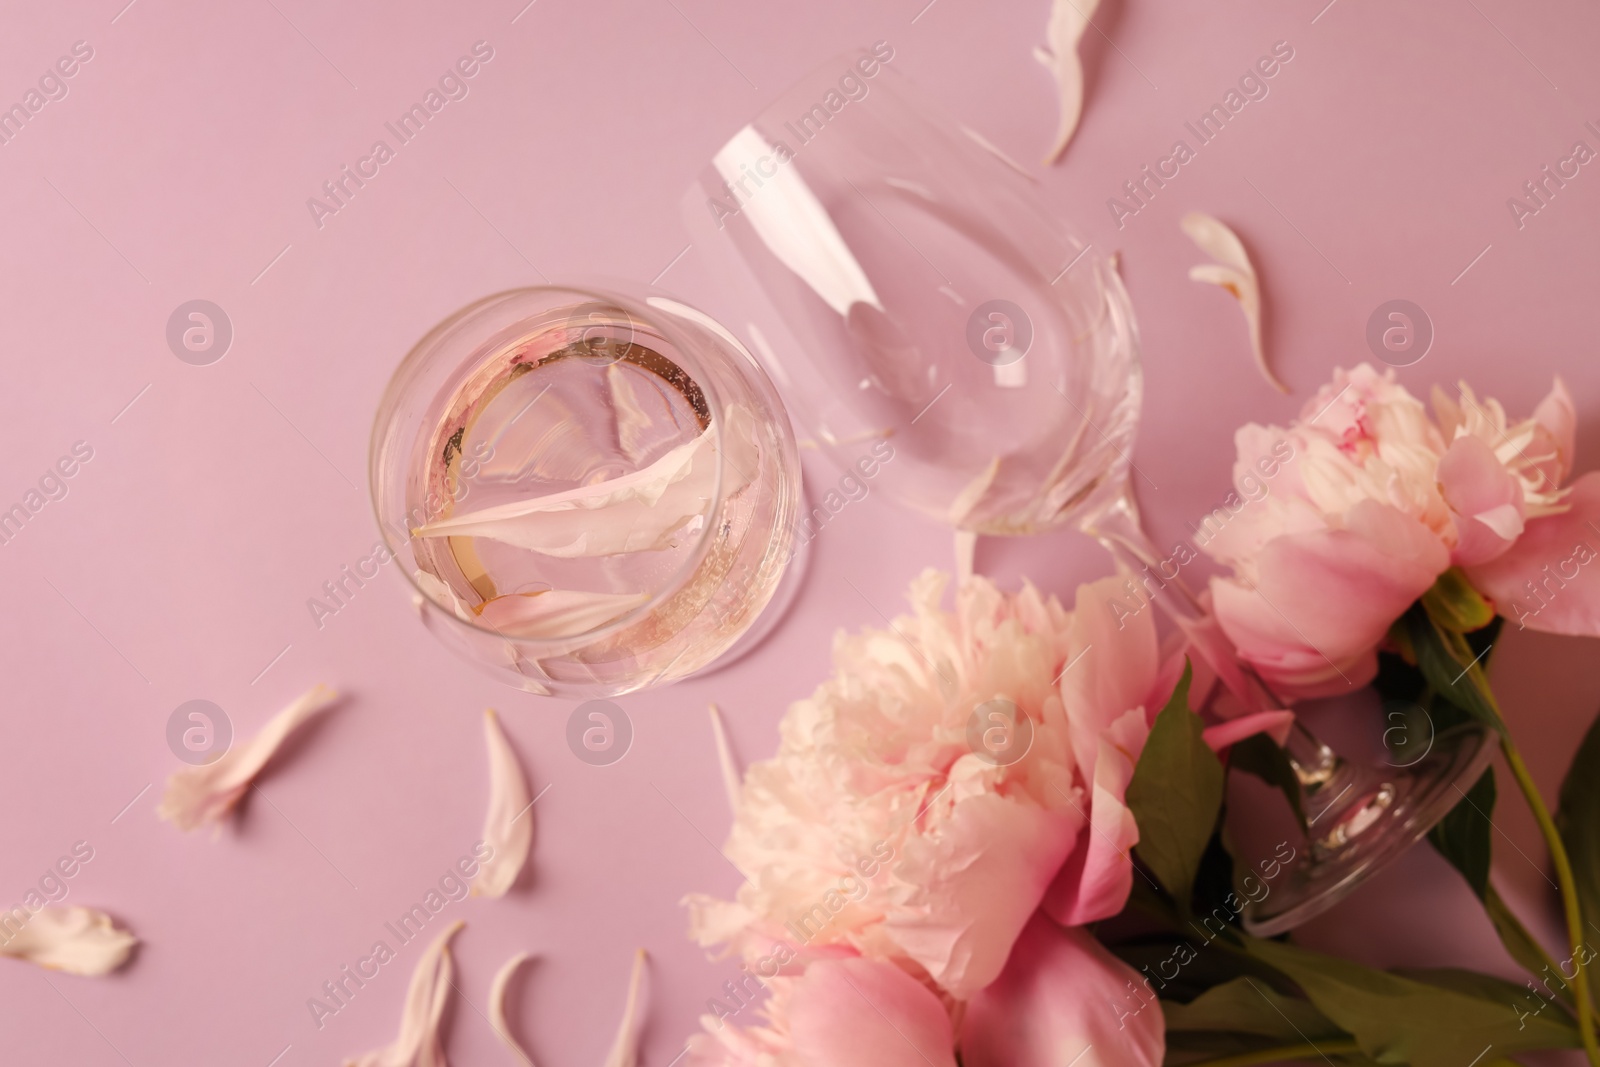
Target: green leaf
(1181,968)
(1175,796)
(1247,1006)
(1464,837)
(1472,983)
(1519,944)
(1578,820)
(1455,605)
(1213,884)
(1399,1020)
(1264,758)
(1446,661)
(1398,679)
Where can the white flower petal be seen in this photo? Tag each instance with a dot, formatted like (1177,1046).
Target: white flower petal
(199,795)
(418,1044)
(1216,240)
(71,939)
(554,613)
(638,512)
(625,1049)
(730,769)
(633,422)
(1068,20)
(441,593)
(497,1006)
(1234,272)
(508,827)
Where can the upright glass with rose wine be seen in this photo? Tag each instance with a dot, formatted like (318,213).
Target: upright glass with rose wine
(591,489)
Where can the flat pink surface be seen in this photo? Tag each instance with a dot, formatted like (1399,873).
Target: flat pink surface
(180,563)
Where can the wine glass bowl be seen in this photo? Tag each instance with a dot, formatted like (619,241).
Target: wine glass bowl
(904,283)
(591,488)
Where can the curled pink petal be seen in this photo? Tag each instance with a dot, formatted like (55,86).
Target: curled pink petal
(643,511)
(1234,272)
(1485,498)
(1550,579)
(865,1013)
(976,883)
(1559,419)
(1323,601)
(625,1046)
(1114,652)
(1068,20)
(1275,724)
(508,826)
(418,1044)
(207,793)
(555,613)
(1063,999)
(497,1007)
(1094,882)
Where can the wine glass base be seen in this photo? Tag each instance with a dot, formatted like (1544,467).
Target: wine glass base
(1381,812)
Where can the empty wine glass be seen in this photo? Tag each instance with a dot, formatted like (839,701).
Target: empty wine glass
(906,284)
(910,288)
(592,489)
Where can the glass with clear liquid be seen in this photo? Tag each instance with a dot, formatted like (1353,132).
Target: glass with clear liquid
(592,490)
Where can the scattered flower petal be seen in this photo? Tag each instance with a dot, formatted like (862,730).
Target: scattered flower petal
(508,828)
(72,939)
(638,512)
(730,769)
(625,1049)
(198,795)
(1068,20)
(418,1044)
(1234,272)
(497,1006)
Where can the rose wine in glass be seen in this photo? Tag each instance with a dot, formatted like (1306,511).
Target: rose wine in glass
(592,490)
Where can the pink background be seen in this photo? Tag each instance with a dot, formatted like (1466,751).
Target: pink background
(180,563)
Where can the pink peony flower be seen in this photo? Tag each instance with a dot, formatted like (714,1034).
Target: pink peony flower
(1063,999)
(1351,513)
(840,1013)
(880,829)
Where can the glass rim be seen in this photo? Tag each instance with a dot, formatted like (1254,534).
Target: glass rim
(418,356)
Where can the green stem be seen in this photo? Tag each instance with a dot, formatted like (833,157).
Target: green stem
(1584,1008)
(1569,895)
(1307,1051)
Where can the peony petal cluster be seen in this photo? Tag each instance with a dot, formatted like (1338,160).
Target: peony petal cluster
(1371,498)
(910,893)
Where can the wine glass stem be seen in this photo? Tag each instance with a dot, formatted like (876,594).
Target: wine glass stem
(1117,527)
